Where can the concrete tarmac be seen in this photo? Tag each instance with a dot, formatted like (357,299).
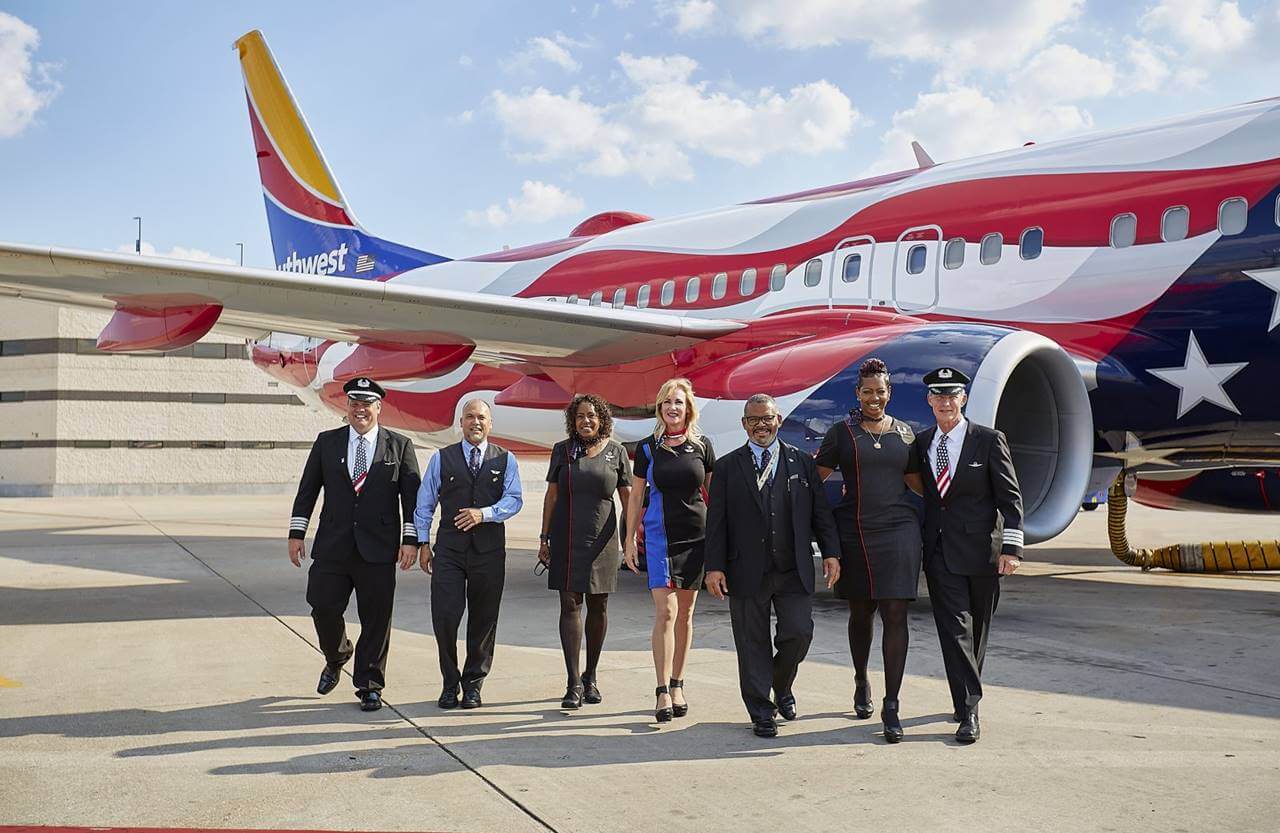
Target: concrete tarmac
(158,665)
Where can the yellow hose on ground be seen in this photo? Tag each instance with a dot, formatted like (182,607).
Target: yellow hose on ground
(1211,557)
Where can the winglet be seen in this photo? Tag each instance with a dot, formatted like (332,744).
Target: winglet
(923,159)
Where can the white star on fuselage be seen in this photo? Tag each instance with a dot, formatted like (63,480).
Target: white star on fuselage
(1270,278)
(1198,381)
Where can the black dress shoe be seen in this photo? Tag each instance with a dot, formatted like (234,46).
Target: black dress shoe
(862,706)
(787,707)
(677,709)
(590,691)
(448,699)
(969,731)
(572,698)
(957,716)
(892,725)
(471,698)
(767,728)
(328,679)
(370,701)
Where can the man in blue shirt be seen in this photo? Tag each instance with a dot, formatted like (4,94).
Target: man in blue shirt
(476,486)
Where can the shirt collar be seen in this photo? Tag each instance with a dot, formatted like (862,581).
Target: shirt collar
(371,436)
(466,448)
(953,436)
(757,451)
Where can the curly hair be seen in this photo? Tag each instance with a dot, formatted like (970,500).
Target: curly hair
(602,411)
(873,367)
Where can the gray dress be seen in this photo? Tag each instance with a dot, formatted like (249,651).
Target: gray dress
(585,555)
(880,543)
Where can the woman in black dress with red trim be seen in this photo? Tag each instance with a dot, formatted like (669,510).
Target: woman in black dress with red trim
(880,539)
(579,542)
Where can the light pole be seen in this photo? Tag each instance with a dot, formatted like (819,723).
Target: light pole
(137,246)
(241,245)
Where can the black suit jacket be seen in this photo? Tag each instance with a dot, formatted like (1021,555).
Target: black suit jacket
(374,523)
(738,533)
(981,516)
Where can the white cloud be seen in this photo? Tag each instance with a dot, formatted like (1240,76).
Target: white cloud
(25,88)
(464,117)
(1203,27)
(690,15)
(952,35)
(670,114)
(1064,73)
(177,253)
(465,61)
(553,50)
(965,121)
(538,202)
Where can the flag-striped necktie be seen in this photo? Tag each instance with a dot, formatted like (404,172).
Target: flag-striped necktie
(943,473)
(361,469)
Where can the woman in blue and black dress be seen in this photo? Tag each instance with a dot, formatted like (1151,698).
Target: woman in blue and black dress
(673,470)
(579,542)
(880,542)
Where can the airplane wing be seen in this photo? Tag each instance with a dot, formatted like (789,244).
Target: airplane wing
(503,329)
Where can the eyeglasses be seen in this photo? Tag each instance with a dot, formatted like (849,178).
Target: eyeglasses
(752,422)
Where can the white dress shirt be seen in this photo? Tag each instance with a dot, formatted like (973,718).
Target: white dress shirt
(352,437)
(955,442)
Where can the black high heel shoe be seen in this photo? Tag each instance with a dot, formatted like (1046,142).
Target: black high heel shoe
(678,709)
(862,705)
(572,697)
(892,725)
(662,715)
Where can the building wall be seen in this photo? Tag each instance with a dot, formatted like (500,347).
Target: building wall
(75,421)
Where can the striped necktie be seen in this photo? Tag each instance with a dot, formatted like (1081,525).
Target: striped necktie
(361,469)
(475,461)
(943,473)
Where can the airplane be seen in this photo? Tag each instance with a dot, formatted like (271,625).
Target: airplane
(1115,298)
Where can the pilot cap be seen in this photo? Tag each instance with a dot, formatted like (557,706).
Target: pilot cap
(364,389)
(946,381)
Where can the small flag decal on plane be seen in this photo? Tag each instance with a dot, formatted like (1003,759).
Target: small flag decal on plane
(364,263)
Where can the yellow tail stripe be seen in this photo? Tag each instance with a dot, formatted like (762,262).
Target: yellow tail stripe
(280,115)
(7,683)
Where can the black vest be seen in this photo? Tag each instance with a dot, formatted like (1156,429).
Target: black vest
(460,490)
(777,503)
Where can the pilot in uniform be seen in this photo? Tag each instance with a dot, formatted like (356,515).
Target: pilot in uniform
(972,535)
(370,480)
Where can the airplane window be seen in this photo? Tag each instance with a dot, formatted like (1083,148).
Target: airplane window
(991,248)
(852,268)
(1031,243)
(596,297)
(916,258)
(778,278)
(1124,231)
(1233,215)
(747,287)
(813,272)
(1278,211)
(620,298)
(719,285)
(1175,223)
(691,289)
(572,299)
(642,296)
(953,254)
(668,293)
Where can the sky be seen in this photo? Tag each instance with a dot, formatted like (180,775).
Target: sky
(464,127)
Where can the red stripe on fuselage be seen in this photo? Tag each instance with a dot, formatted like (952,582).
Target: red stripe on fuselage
(282,185)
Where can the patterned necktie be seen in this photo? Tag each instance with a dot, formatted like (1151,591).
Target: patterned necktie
(475,461)
(943,473)
(765,457)
(362,465)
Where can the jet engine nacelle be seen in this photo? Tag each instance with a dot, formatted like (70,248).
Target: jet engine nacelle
(1023,384)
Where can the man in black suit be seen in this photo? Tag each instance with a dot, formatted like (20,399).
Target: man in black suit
(476,486)
(370,479)
(766,508)
(972,536)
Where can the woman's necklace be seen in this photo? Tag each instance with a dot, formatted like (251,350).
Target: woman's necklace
(876,437)
(674,439)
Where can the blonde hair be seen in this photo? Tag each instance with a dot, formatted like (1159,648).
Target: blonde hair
(692,432)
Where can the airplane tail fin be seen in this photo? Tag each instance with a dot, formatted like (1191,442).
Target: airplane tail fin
(312,226)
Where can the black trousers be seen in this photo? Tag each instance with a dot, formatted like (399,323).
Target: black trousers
(329,586)
(469,582)
(759,667)
(962,610)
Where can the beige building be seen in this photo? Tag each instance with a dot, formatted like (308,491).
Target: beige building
(201,420)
